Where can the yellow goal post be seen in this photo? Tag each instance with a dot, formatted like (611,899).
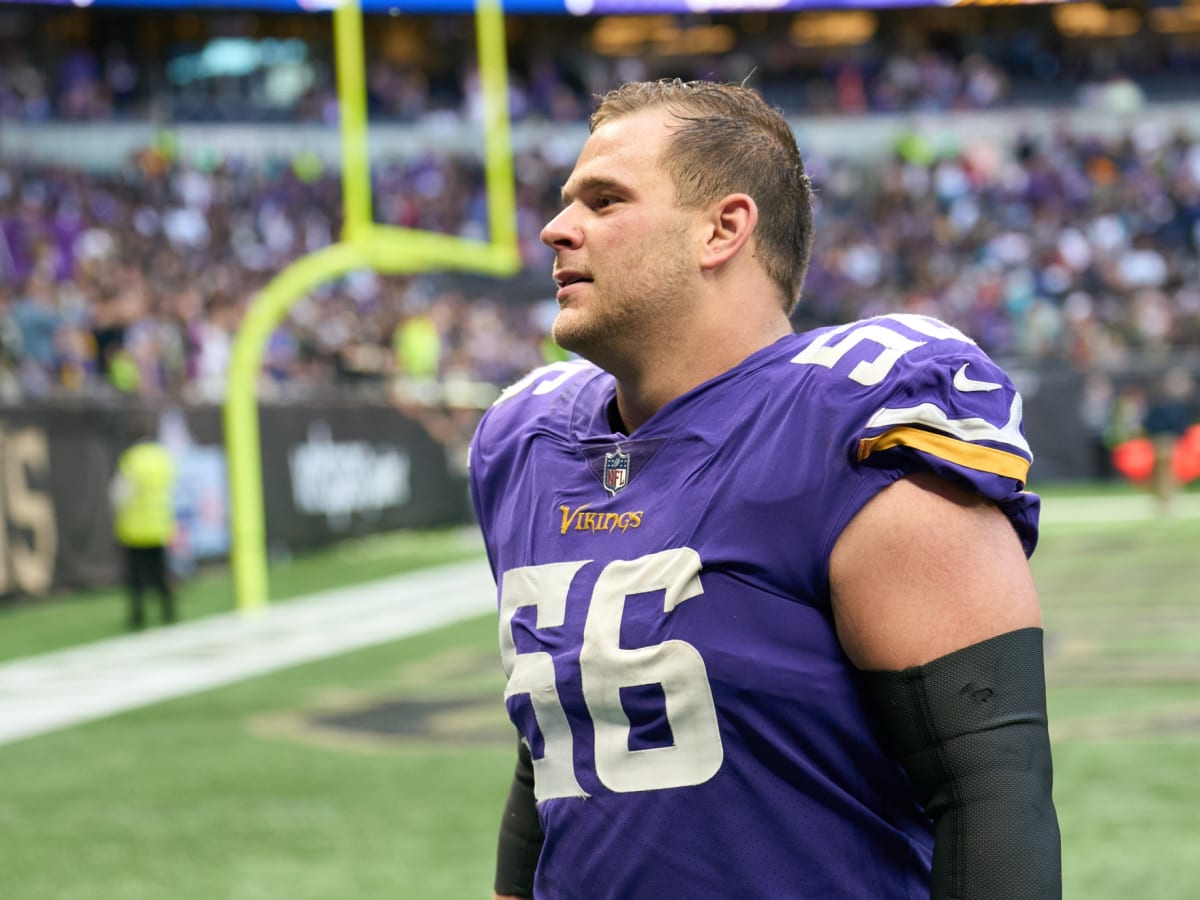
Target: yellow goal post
(363,245)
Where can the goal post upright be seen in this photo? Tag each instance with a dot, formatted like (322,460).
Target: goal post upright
(497,139)
(363,244)
(352,115)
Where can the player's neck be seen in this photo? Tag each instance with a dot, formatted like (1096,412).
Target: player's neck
(687,361)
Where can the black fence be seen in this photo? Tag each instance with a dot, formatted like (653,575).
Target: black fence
(349,467)
(330,471)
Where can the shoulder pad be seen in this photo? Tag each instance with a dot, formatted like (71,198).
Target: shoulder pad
(536,402)
(927,398)
(545,380)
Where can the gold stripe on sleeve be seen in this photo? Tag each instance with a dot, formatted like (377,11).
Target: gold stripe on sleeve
(973,456)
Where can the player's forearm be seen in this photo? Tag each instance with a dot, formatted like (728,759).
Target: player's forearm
(521,835)
(970,729)
(992,849)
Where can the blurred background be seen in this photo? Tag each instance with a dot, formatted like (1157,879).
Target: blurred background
(1029,173)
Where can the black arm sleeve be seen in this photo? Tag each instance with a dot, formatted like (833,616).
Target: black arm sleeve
(520,832)
(970,729)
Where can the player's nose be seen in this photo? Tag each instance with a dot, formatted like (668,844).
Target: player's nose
(562,232)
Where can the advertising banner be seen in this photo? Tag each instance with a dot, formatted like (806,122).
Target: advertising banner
(329,472)
(55,464)
(337,471)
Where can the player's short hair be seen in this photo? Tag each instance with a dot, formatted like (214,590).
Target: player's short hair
(731,141)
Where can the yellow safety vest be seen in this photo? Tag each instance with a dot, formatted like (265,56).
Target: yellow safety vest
(145,515)
(418,347)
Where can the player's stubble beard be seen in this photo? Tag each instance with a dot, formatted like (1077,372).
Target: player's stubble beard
(633,303)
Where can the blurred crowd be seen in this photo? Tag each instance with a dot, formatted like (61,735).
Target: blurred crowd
(110,65)
(89,86)
(1066,248)
(134,279)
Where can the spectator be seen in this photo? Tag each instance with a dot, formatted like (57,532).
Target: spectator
(1168,416)
(37,318)
(142,494)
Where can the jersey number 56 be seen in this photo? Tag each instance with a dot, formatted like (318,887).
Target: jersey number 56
(605,668)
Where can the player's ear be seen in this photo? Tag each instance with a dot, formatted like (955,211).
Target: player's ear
(731,220)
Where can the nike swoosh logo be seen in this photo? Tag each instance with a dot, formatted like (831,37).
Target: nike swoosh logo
(968,385)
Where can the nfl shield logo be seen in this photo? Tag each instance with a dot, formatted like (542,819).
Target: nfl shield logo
(616,470)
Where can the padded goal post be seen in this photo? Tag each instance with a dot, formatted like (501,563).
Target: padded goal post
(363,245)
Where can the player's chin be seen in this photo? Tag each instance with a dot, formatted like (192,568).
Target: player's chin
(571,330)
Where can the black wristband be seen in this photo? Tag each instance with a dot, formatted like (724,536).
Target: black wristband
(970,729)
(521,834)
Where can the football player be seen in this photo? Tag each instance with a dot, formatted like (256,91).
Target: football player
(764,603)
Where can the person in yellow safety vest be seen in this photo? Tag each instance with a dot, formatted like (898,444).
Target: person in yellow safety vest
(417,354)
(418,347)
(142,494)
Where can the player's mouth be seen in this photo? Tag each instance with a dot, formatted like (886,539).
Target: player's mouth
(567,279)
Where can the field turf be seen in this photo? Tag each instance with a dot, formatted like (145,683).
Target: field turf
(381,773)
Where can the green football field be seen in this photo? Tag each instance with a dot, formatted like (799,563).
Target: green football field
(380,773)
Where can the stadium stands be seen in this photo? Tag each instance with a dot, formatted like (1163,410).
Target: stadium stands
(130,275)
(111,64)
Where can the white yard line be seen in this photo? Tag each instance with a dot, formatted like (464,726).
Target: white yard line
(61,689)
(68,687)
(1126,508)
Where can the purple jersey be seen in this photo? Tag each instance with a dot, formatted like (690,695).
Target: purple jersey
(665,621)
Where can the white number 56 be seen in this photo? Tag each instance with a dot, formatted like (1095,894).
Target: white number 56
(696,753)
